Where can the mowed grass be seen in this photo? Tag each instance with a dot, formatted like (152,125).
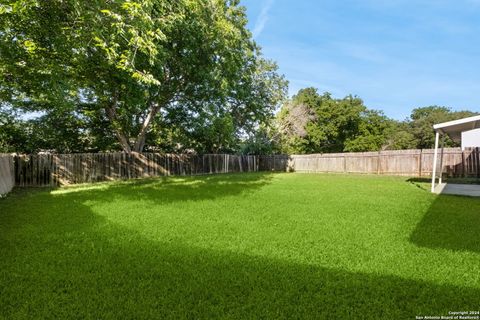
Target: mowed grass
(266,246)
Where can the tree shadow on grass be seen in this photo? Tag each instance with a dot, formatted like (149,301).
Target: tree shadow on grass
(62,261)
(172,189)
(452,222)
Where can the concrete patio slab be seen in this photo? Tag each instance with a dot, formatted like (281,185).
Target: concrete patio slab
(472,190)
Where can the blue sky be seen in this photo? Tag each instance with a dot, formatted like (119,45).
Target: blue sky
(394,54)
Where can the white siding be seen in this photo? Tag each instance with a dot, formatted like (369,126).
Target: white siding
(471,139)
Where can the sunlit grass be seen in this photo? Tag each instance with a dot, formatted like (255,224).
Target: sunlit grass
(239,246)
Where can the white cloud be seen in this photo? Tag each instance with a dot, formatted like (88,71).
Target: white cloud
(262,18)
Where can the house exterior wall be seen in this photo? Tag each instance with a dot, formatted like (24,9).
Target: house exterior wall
(471,139)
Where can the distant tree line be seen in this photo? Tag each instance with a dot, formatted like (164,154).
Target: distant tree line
(318,123)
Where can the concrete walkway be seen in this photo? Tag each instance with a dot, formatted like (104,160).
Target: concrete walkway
(472,190)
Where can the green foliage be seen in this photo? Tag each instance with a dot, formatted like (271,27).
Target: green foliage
(239,247)
(319,123)
(311,123)
(400,137)
(208,132)
(13,133)
(134,62)
(171,75)
(423,119)
(417,131)
(262,142)
(371,134)
(217,136)
(59,131)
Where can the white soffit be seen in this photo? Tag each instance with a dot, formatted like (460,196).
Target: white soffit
(455,128)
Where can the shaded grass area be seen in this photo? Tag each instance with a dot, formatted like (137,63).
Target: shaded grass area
(238,246)
(452,222)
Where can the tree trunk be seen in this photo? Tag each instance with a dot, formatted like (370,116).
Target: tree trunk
(155,106)
(121,136)
(140,141)
(123,141)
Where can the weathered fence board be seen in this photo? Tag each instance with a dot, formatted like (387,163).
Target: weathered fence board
(417,163)
(64,169)
(7,175)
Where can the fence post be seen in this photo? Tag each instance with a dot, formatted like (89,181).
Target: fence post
(420,161)
(378,162)
(477,156)
(57,169)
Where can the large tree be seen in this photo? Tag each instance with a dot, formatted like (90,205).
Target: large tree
(311,122)
(128,63)
(372,132)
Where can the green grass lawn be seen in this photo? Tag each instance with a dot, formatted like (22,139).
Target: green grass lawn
(239,246)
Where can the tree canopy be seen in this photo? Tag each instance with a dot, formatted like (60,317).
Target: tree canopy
(171,76)
(127,65)
(311,122)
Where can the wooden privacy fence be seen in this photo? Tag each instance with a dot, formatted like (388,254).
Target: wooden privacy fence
(63,169)
(416,163)
(7,177)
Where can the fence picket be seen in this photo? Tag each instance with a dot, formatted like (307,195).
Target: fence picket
(53,170)
(61,169)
